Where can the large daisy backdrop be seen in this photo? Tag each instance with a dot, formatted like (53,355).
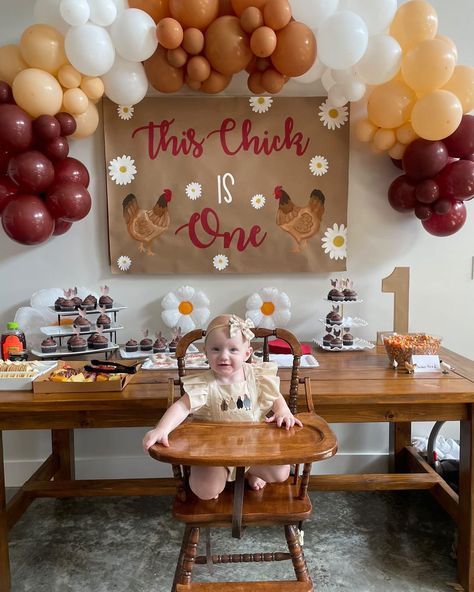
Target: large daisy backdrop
(268,308)
(185,308)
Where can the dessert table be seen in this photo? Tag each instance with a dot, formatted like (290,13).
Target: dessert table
(348,387)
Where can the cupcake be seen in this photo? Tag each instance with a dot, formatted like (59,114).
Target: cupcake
(146,344)
(172,345)
(131,346)
(336,343)
(103,321)
(91,340)
(81,322)
(328,337)
(335,293)
(58,302)
(67,305)
(49,346)
(77,301)
(347,339)
(105,300)
(349,292)
(76,343)
(333,317)
(160,344)
(89,302)
(99,342)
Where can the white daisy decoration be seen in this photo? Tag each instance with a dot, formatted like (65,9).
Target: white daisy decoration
(185,308)
(125,112)
(220,262)
(193,190)
(124,262)
(335,242)
(258,201)
(268,308)
(318,165)
(260,104)
(332,117)
(122,170)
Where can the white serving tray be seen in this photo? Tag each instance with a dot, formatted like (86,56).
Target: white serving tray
(145,354)
(346,322)
(68,330)
(359,344)
(343,301)
(26,384)
(63,351)
(66,313)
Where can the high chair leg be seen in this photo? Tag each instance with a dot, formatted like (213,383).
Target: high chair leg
(189,552)
(297,555)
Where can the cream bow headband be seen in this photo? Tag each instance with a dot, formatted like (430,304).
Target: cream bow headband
(237,325)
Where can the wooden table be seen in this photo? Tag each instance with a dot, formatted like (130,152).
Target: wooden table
(348,387)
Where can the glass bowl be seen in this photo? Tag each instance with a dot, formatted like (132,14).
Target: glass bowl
(401,346)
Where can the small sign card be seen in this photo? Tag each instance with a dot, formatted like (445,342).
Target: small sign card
(428,363)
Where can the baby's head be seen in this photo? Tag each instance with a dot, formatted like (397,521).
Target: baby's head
(227,343)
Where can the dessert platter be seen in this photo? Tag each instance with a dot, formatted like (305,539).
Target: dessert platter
(19,376)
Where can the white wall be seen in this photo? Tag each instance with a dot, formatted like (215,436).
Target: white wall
(379,240)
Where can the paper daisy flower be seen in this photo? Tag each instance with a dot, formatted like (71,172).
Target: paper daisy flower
(124,262)
(220,262)
(318,165)
(122,170)
(260,104)
(335,242)
(258,201)
(185,308)
(268,308)
(193,190)
(332,117)
(125,111)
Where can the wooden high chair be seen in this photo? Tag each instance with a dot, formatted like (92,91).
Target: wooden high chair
(240,445)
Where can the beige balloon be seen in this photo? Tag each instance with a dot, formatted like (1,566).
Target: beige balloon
(37,92)
(384,139)
(397,150)
(428,65)
(69,77)
(86,122)
(11,63)
(75,101)
(365,130)
(93,87)
(42,47)
(390,104)
(413,22)
(406,134)
(461,84)
(436,115)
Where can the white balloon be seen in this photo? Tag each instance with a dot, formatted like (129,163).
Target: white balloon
(336,95)
(343,76)
(312,13)
(75,12)
(126,82)
(313,74)
(342,40)
(121,5)
(354,90)
(89,49)
(327,80)
(381,61)
(47,12)
(103,12)
(377,14)
(134,35)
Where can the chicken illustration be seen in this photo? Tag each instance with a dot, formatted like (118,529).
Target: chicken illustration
(146,225)
(301,222)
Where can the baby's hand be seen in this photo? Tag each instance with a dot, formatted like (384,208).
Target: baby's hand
(287,420)
(155,436)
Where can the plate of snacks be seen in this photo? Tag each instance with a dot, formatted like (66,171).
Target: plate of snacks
(400,347)
(19,376)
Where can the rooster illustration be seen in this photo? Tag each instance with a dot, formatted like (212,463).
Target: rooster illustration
(301,222)
(146,225)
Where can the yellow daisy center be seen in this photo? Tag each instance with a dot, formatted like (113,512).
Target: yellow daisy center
(267,308)
(123,169)
(333,113)
(338,241)
(125,109)
(261,100)
(318,165)
(185,307)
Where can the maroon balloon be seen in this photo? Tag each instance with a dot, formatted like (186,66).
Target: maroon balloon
(442,205)
(447,224)
(423,212)
(4,160)
(422,159)
(461,142)
(46,128)
(71,169)
(61,226)
(397,162)
(8,190)
(6,95)
(67,123)
(456,180)
(32,171)
(70,201)
(401,194)
(16,132)
(427,191)
(27,220)
(56,149)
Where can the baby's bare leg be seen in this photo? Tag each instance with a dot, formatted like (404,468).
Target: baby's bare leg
(207,482)
(259,475)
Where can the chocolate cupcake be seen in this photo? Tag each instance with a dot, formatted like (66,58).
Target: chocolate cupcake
(82,323)
(58,302)
(103,321)
(333,317)
(49,346)
(160,344)
(77,301)
(336,343)
(67,305)
(349,292)
(91,340)
(335,295)
(106,301)
(348,339)
(89,302)
(76,344)
(328,337)
(146,344)
(131,346)
(99,342)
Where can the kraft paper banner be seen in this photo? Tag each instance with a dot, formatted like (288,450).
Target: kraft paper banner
(227,185)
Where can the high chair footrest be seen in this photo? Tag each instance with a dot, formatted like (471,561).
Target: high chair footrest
(282,586)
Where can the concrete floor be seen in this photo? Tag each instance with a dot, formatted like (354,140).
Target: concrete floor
(357,542)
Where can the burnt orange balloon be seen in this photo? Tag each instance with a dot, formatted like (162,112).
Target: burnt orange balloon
(240,5)
(162,75)
(194,84)
(193,41)
(216,83)
(263,42)
(272,80)
(261,64)
(225,7)
(177,57)
(295,50)
(252,65)
(254,83)
(277,14)
(251,19)
(157,9)
(198,68)
(227,45)
(194,13)
(169,33)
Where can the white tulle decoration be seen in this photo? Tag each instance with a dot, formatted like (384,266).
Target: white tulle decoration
(268,308)
(185,308)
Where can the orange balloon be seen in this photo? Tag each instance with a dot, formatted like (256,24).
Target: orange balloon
(42,47)
(216,82)
(261,64)
(428,65)
(177,57)
(263,42)
(436,115)
(37,92)
(365,130)
(272,80)
(162,75)
(194,13)
(384,139)
(93,87)
(75,101)
(295,50)
(194,84)
(277,14)
(406,134)
(390,104)
(11,63)
(240,5)
(461,84)
(413,22)
(227,45)
(254,83)
(86,122)
(198,68)
(251,18)
(225,7)
(157,9)
(169,33)
(69,77)
(193,41)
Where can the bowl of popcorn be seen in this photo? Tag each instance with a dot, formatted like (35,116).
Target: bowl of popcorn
(401,346)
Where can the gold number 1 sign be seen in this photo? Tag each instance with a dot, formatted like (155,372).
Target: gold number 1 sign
(398,282)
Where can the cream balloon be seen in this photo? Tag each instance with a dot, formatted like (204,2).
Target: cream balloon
(381,60)
(413,22)
(134,35)
(86,122)
(37,92)
(69,77)
(436,115)
(365,130)
(406,134)
(90,50)
(342,40)
(384,139)
(75,101)
(461,84)
(11,63)
(93,87)
(126,82)
(390,104)
(428,65)
(397,151)
(75,12)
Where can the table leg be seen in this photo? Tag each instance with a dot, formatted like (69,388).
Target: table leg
(399,437)
(62,443)
(466,501)
(4,559)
